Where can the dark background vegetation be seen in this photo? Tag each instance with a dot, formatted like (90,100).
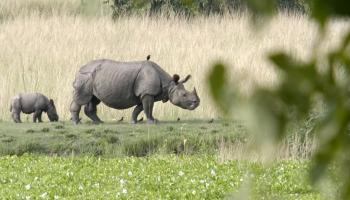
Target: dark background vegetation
(195,7)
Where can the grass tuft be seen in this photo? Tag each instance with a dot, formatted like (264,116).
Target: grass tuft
(45,130)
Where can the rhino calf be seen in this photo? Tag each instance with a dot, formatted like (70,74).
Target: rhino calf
(122,85)
(32,103)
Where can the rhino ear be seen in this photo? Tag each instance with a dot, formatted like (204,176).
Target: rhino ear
(176,78)
(185,79)
(51,102)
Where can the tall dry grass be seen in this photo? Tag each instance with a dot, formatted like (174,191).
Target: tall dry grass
(43,52)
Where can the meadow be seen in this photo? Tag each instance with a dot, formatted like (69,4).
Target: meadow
(189,154)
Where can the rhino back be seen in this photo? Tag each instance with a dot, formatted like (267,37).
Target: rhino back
(114,83)
(33,101)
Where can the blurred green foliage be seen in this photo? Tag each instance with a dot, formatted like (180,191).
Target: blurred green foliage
(303,86)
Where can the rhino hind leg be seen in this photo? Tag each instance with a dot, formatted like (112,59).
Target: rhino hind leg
(16,111)
(90,110)
(16,117)
(147,104)
(137,110)
(75,110)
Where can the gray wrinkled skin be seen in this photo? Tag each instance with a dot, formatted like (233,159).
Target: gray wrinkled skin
(32,103)
(122,85)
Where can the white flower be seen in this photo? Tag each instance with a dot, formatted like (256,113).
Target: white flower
(55,197)
(125,191)
(241,179)
(130,173)
(193,192)
(27,187)
(36,178)
(212,172)
(202,181)
(122,181)
(181,173)
(81,187)
(28,197)
(192,181)
(43,195)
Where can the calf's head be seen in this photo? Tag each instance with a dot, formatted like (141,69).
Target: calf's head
(179,96)
(51,111)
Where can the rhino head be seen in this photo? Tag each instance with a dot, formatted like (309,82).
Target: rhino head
(179,96)
(51,111)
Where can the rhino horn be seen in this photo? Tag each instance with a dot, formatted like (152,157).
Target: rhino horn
(194,91)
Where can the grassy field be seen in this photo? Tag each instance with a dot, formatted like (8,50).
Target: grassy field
(171,160)
(118,139)
(228,140)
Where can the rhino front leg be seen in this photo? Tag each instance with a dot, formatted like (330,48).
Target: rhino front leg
(91,110)
(147,103)
(136,113)
(37,116)
(75,110)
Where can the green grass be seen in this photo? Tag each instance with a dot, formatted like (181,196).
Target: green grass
(155,177)
(118,160)
(117,139)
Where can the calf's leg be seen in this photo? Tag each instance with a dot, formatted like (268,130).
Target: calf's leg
(16,111)
(16,116)
(37,116)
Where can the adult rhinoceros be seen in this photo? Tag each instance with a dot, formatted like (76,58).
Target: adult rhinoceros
(121,85)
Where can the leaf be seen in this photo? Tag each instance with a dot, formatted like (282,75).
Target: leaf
(218,87)
(336,129)
(322,10)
